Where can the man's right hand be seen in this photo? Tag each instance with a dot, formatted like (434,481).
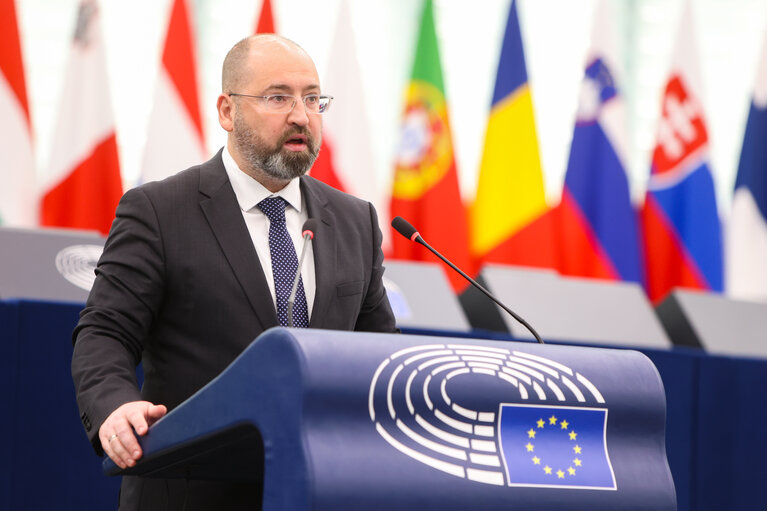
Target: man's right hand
(116,433)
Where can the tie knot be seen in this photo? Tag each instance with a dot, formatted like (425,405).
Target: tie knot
(273,208)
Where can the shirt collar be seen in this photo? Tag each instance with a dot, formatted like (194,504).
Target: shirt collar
(250,192)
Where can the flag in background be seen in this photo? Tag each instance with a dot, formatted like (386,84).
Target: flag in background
(598,226)
(747,229)
(175,138)
(425,190)
(325,166)
(510,220)
(265,23)
(680,221)
(346,155)
(84,185)
(18,196)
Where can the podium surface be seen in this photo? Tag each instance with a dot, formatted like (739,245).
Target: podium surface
(348,420)
(48,264)
(571,309)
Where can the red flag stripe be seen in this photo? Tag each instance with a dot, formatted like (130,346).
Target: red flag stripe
(88,196)
(265,23)
(11,64)
(179,59)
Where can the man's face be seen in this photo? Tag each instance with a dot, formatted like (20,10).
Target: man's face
(282,145)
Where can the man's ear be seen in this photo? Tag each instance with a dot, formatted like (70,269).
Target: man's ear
(226,108)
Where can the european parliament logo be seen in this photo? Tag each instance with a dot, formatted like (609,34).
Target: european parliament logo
(484,414)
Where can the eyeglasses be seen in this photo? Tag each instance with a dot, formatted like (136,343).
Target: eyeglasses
(285,103)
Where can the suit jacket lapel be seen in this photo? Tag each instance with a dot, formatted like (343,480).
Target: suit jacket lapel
(324,247)
(219,204)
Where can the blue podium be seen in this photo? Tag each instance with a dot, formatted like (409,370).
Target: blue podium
(348,421)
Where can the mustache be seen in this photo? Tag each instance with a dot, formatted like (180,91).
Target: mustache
(310,141)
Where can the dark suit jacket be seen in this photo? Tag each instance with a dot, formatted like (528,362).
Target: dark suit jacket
(180,287)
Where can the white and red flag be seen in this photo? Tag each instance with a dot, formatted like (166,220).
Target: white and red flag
(346,157)
(18,205)
(175,138)
(83,184)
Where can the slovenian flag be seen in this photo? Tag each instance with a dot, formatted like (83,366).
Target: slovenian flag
(511,222)
(425,189)
(598,230)
(680,221)
(747,229)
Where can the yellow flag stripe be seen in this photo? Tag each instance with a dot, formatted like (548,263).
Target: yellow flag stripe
(510,192)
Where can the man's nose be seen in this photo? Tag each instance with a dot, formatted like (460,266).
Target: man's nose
(299,116)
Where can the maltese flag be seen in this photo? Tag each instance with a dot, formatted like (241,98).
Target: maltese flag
(175,138)
(746,271)
(83,185)
(18,205)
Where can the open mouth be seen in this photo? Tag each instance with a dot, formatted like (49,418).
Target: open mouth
(296,142)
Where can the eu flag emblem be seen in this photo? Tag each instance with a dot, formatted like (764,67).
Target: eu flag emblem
(555,446)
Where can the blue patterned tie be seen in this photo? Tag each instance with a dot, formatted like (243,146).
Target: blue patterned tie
(284,264)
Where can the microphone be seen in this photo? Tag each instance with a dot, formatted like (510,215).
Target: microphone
(404,227)
(307,231)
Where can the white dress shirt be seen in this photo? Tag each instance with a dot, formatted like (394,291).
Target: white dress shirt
(249,193)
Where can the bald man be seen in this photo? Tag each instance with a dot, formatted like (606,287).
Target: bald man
(187,279)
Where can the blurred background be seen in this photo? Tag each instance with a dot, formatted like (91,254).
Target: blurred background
(556,35)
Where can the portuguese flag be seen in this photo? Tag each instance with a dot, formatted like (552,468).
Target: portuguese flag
(425,190)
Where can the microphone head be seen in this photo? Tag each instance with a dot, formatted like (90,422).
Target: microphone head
(309,227)
(403,227)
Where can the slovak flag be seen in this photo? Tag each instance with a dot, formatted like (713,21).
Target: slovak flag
(83,185)
(599,233)
(747,229)
(175,138)
(680,221)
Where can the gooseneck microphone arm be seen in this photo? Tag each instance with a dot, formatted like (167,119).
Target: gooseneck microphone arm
(307,231)
(404,227)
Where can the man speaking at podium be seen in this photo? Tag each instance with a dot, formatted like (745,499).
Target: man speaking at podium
(198,265)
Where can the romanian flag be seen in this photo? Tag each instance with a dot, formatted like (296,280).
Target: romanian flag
(598,226)
(510,220)
(747,229)
(680,221)
(425,190)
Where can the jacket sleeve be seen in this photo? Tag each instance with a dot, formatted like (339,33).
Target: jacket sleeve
(376,314)
(113,327)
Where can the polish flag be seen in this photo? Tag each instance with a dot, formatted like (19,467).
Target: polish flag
(83,185)
(175,137)
(346,157)
(17,194)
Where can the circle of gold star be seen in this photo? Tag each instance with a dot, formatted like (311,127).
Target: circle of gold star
(553,421)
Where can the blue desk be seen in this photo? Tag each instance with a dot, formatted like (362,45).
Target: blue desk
(714,427)
(47,462)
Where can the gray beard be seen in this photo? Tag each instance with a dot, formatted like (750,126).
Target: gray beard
(275,162)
